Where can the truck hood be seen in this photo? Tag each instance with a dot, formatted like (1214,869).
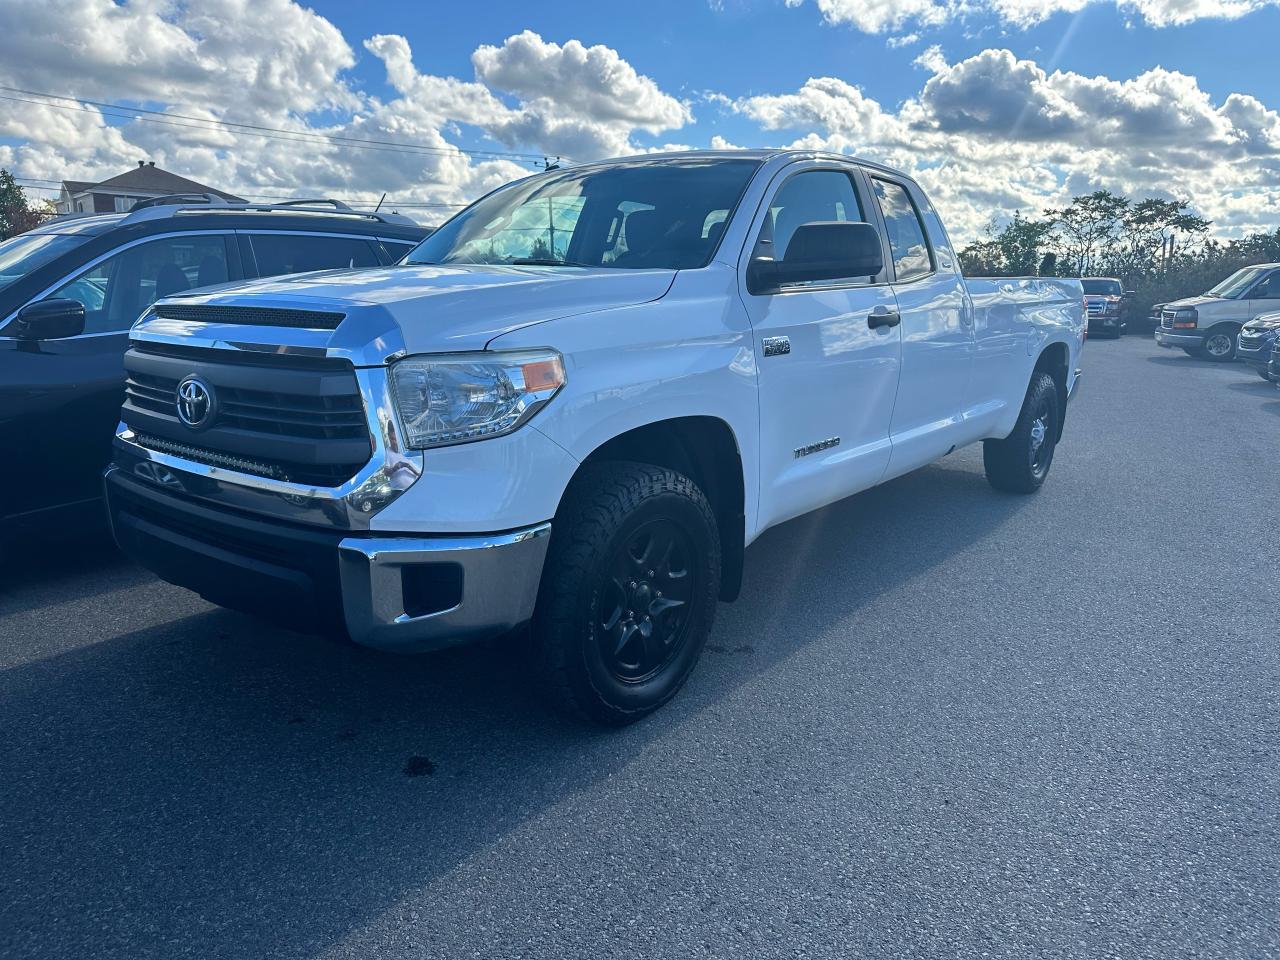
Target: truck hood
(1199,301)
(437,308)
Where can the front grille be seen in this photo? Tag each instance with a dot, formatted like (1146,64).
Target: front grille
(1166,319)
(253,316)
(295,421)
(263,411)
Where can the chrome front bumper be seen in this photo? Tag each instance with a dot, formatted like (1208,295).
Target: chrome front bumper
(406,593)
(1172,341)
(493,578)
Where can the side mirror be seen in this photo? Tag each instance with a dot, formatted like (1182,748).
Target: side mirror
(821,250)
(1130,294)
(50,320)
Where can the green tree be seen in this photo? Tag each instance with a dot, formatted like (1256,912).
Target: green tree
(1087,229)
(16,214)
(1022,244)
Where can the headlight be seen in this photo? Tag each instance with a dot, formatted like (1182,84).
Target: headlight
(1185,317)
(459,397)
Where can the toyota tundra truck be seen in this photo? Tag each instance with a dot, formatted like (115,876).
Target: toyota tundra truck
(576,404)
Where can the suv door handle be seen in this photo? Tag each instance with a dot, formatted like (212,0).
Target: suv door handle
(881,317)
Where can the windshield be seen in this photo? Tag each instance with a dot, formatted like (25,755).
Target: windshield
(633,215)
(1103,288)
(22,254)
(1237,283)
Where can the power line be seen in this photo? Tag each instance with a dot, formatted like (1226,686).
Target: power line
(265,132)
(33,183)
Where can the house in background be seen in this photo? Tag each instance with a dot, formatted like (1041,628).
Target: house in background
(119,194)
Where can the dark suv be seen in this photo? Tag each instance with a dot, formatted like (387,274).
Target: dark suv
(70,290)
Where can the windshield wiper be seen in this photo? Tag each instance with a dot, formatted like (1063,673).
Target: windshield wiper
(544,262)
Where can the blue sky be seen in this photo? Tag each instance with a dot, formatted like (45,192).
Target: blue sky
(745,47)
(995,105)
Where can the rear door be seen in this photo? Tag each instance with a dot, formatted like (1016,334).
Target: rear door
(827,378)
(937,330)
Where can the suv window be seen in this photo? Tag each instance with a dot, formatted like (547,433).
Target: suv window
(279,253)
(815,195)
(911,254)
(116,290)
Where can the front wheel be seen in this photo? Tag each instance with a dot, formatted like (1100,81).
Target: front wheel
(629,591)
(1219,345)
(1264,374)
(1020,462)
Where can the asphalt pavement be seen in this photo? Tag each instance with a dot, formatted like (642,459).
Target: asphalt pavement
(942,722)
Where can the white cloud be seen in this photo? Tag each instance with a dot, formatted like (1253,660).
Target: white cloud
(880,16)
(278,64)
(994,133)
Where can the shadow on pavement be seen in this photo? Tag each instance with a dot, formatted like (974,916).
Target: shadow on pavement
(217,786)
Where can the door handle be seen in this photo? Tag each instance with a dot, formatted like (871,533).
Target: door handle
(881,317)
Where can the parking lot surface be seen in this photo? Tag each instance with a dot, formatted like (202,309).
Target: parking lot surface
(941,722)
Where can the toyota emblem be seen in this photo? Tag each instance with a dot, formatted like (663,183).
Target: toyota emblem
(195,403)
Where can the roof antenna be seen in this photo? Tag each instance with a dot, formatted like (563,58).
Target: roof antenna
(379,206)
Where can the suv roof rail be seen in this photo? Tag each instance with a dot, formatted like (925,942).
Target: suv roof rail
(194,203)
(173,199)
(336,204)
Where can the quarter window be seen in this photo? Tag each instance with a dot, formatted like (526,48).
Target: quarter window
(280,253)
(911,254)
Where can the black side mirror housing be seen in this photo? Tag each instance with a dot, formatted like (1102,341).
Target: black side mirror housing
(50,319)
(821,250)
(1130,294)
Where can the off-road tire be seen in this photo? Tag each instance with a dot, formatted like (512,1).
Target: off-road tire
(604,507)
(1016,464)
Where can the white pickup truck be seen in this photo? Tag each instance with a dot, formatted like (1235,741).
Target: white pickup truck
(577,403)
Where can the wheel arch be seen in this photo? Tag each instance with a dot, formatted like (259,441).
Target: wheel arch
(705,449)
(1055,360)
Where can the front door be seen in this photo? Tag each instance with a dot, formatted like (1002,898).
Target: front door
(827,375)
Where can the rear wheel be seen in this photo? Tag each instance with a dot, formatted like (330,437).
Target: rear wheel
(1020,462)
(629,592)
(1219,344)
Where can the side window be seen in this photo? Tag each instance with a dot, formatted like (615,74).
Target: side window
(279,253)
(911,254)
(1268,289)
(116,290)
(817,195)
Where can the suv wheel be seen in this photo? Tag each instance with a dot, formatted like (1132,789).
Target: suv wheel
(1020,462)
(1219,344)
(629,592)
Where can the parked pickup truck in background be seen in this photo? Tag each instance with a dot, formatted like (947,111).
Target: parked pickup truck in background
(578,402)
(1105,300)
(1207,326)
